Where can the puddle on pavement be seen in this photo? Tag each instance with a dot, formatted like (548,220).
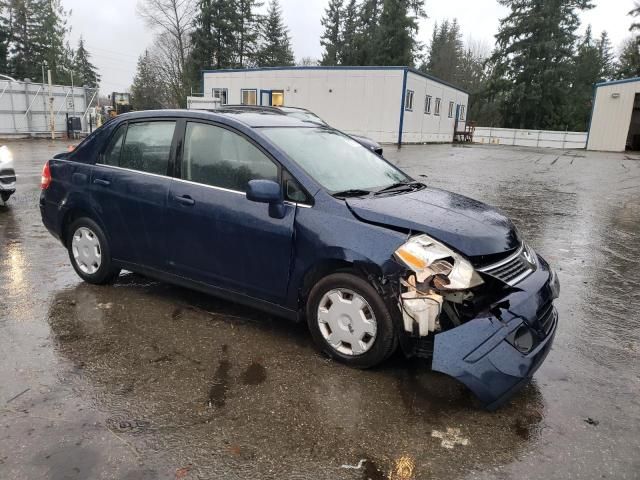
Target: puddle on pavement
(195,376)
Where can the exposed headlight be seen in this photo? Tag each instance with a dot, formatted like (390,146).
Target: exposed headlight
(430,258)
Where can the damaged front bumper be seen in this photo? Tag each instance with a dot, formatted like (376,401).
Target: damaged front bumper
(488,355)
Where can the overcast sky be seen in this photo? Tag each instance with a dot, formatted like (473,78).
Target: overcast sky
(115,35)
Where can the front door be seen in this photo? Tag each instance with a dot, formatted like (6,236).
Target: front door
(129,187)
(218,236)
(265,97)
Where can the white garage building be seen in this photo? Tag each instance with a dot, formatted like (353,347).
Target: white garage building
(387,104)
(615,119)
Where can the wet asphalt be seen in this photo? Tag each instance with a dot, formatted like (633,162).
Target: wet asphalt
(143,380)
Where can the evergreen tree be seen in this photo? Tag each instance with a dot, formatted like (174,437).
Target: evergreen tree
(50,32)
(331,39)
(349,54)
(635,13)
(146,91)
(446,52)
(587,71)
(247,32)
(367,36)
(5,36)
(629,61)
(214,37)
(85,72)
(396,42)
(607,59)
(276,45)
(533,61)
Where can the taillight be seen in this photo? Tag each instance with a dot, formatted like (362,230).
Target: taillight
(46,177)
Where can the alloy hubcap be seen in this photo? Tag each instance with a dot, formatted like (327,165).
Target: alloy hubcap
(347,322)
(86,250)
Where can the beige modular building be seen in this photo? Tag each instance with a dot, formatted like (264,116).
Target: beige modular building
(615,119)
(387,104)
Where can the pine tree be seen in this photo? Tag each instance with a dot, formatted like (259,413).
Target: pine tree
(331,39)
(587,71)
(349,54)
(607,59)
(146,91)
(445,52)
(247,32)
(214,35)
(629,60)
(533,61)
(5,36)
(51,29)
(367,36)
(276,45)
(396,42)
(85,72)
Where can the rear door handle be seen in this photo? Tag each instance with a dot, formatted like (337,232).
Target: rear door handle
(186,200)
(100,181)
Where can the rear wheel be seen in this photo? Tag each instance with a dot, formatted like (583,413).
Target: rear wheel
(89,252)
(349,321)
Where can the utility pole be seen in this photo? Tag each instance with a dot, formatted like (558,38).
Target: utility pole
(52,119)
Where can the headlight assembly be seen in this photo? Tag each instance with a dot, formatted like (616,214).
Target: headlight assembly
(430,258)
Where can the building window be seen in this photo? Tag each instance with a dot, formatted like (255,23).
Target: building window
(249,96)
(222,95)
(277,98)
(427,105)
(437,109)
(408,100)
(451,109)
(462,112)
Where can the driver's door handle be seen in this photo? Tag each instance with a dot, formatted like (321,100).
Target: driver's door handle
(100,181)
(186,200)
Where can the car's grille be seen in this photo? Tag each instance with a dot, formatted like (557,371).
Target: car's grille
(7,176)
(546,317)
(512,269)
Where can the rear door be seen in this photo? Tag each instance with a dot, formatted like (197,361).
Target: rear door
(130,184)
(218,236)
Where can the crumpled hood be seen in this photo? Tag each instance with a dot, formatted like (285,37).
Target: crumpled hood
(468,226)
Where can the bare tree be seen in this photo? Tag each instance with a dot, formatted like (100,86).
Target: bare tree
(172,20)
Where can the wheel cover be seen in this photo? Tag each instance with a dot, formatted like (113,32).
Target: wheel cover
(347,322)
(86,250)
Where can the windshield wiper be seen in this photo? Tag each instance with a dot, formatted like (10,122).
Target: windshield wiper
(400,186)
(354,192)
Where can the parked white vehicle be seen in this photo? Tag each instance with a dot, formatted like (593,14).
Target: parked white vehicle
(7,174)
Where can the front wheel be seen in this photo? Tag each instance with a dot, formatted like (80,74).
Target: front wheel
(89,252)
(349,321)
(5,196)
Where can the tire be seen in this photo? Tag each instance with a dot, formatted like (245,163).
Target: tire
(5,196)
(89,252)
(377,347)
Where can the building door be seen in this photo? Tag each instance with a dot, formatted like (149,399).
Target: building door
(265,97)
(633,138)
(455,124)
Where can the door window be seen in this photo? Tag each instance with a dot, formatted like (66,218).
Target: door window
(111,155)
(147,147)
(220,158)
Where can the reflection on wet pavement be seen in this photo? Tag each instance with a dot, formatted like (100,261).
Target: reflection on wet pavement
(145,380)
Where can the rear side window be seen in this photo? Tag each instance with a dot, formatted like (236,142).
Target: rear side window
(221,158)
(147,147)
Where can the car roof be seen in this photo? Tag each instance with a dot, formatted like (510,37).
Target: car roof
(251,118)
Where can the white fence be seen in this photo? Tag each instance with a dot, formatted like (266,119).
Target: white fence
(530,138)
(24,107)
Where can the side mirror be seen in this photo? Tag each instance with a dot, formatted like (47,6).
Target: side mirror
(267,191)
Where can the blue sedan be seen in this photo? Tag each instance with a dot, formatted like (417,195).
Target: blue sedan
(301,221)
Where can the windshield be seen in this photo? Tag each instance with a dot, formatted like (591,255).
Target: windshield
(335,161)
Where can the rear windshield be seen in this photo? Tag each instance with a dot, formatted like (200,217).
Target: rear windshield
(334,160)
